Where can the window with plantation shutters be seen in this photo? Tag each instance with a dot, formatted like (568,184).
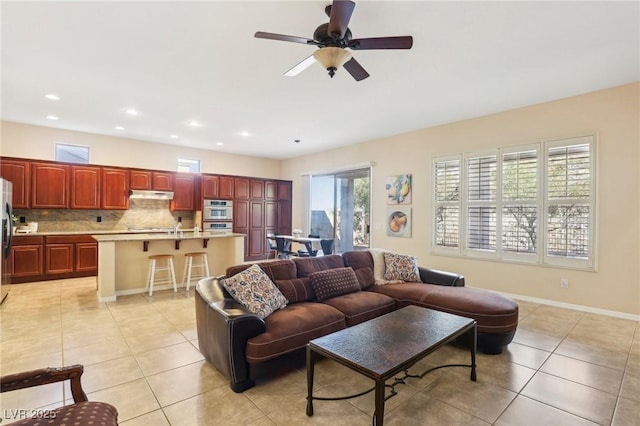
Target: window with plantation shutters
(447,203)
(520,201)
(533,204)
(569,200)
(481,202)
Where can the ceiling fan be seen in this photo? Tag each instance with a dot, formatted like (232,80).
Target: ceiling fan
(333,39)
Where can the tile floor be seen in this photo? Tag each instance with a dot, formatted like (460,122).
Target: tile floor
(141,354)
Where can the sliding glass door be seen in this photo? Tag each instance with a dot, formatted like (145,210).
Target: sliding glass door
(340,208)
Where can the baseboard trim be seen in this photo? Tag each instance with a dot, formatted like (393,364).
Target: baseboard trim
(145,290)
(582,308)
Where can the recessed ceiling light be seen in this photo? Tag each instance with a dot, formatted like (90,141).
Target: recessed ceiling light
(245,133)
(174,136)
(194,123)
(53,117)
(119,128)
(52,97)
(132,111)
(219,143)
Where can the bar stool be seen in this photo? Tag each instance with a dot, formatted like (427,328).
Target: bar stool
(189,265)
(154,267)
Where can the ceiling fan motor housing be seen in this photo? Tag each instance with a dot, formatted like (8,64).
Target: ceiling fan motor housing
(322,36)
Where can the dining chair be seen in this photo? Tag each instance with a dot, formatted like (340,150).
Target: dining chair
(284,248)
(327,246)
(271,244)
(305,253)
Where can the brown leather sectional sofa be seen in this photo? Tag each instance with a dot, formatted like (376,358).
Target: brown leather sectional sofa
(236,341)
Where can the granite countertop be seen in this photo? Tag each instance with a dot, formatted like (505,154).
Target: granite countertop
(162,236)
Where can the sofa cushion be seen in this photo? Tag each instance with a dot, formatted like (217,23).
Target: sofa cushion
(358,259)
(401,267)
(493,312)
(334,282)
(362,306)
(307,265)
(282,269)
(296,290)
(365,277)
(292,328)
(379,267)
(253,289)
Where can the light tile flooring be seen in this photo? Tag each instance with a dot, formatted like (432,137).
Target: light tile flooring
(141,354)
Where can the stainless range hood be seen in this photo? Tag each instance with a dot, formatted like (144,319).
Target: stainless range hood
(151,195)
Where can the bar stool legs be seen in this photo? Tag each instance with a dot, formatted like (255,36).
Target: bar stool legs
(189,266)
(154,267)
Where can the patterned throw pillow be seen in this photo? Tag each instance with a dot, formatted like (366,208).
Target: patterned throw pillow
(379,267)
(401,267)
(334,282)
(253,289)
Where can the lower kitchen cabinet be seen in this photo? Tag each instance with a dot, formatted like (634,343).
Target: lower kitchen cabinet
(53,257)
(26,258)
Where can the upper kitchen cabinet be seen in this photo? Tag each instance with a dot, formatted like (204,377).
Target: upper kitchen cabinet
(284,191)
(49,186)
(225,190)
(257,189)
(210,187)
(241,188)
(18,173)
(85,187)
(270,190)
(184,192)
(140,179)
(162,181)
(115,188)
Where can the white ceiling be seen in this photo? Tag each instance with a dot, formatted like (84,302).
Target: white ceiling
(182,61)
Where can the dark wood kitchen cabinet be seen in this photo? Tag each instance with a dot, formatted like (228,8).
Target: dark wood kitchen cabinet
(210,187)
(26,258)
(49,186)
(140,179)
(184,186)
(18,173)
(225,190)
(115,189)
(284,207)
(37,258)
(58,258)
(241,188)
(85,187)
(162,181)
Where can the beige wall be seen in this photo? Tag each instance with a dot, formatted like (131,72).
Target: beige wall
(26,141)
(613,114)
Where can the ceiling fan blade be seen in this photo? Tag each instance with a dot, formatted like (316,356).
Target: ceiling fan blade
(282,37)
(401,42)
(306,63)
(341,11)
(354,68)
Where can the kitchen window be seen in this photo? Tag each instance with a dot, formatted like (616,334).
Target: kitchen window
(72,153)
(533,204)
(186,165)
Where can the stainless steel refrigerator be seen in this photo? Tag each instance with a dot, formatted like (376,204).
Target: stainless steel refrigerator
(7,236)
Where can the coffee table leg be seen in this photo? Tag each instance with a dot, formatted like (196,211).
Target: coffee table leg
(378,415)
(310,367)
(474,344)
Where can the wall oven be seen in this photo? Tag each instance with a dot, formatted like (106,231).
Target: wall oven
(222,227)
(217,216)
(217,210)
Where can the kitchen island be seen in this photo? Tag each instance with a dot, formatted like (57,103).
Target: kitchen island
(123,259)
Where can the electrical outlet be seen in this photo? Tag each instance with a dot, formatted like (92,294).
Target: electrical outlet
(564,282)
(99,219)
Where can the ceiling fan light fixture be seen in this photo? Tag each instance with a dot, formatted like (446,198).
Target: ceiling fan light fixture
(332,58)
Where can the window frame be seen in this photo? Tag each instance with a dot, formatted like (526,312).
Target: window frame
(541,203)
(84,148)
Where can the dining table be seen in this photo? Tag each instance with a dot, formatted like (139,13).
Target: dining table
(306,241)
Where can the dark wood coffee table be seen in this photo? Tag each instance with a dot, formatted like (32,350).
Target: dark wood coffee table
(383,347)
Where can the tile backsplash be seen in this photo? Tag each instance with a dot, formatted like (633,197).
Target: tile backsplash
(141,214)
